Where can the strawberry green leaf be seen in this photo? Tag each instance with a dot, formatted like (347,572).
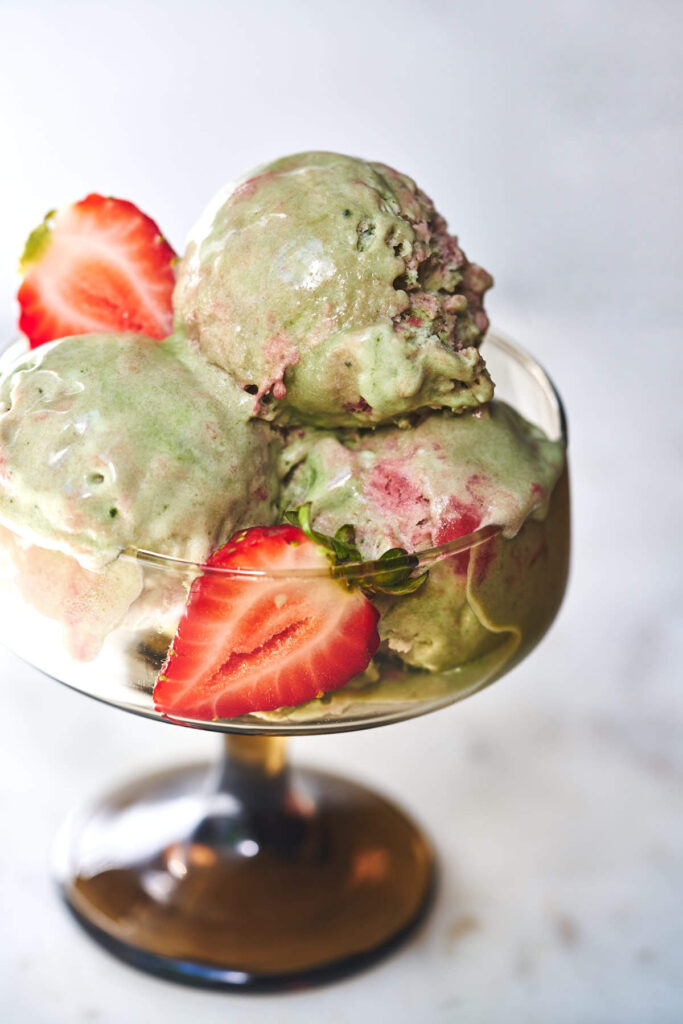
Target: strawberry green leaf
(395,568)
(36,243)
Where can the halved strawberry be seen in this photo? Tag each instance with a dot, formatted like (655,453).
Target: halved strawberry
(98,265)
(256,644)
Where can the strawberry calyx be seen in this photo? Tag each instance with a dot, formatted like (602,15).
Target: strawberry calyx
(392,573)
(36,243)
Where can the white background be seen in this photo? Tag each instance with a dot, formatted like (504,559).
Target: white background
(550,135)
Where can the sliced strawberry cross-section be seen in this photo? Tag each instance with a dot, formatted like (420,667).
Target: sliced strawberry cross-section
(249,644)
(99,265)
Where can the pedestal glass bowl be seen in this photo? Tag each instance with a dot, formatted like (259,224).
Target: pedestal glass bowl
(250,873)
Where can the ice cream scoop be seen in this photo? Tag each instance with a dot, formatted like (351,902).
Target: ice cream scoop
(330,290)
(113,441)
(419,488)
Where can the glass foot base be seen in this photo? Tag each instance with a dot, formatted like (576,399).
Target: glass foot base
(245,879)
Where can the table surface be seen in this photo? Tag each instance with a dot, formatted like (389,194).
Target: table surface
(550,135)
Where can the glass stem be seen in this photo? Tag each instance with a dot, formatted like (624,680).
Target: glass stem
(254,770)
(250,797)
(258,755)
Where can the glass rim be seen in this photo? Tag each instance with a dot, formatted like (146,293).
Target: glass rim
(366,569)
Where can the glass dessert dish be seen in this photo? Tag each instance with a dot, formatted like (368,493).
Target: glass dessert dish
(251,873)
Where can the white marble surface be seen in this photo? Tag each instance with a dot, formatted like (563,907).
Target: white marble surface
(550,134)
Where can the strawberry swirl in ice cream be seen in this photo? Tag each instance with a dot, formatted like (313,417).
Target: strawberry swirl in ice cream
(445,477)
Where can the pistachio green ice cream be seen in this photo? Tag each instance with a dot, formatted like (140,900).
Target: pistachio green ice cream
(446,477)
(417,488)
(112,441)
(330,290)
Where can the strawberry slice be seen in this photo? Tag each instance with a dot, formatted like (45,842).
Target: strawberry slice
(96,266)
(256,644)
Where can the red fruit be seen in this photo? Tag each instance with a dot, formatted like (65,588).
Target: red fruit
(459,519)
(96,266)
(251,644)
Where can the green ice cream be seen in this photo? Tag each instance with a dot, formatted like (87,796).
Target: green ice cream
(331,291)
(111,441)
(419,488)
